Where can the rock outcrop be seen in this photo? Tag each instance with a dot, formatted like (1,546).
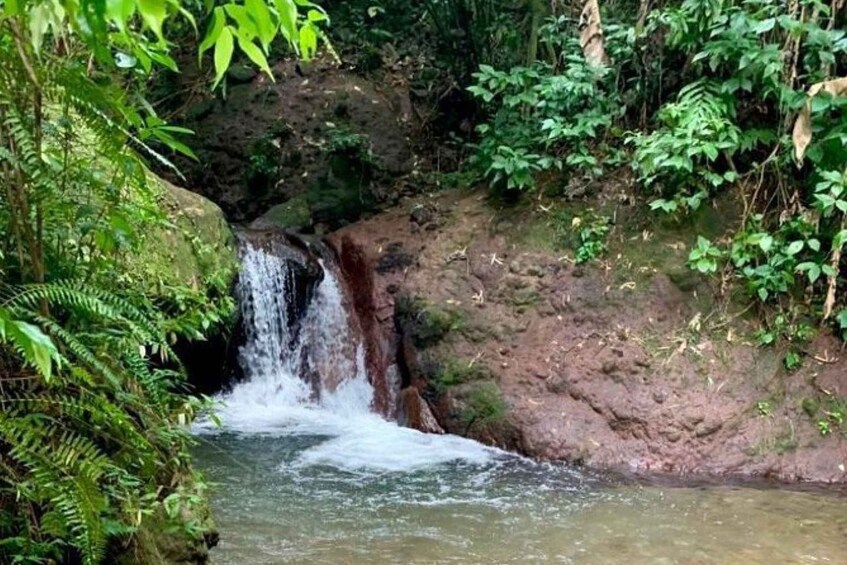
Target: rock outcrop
(617,365)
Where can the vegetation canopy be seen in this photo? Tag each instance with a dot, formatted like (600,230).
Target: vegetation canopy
(93,412)
(695,101)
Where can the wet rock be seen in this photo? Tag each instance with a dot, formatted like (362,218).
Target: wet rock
(416,413)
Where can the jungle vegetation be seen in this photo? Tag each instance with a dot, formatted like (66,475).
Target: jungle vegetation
(695,99)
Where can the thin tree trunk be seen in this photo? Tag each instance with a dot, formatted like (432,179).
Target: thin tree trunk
(591,34)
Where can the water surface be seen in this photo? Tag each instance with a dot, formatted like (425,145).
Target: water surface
(305,480)
(311,498)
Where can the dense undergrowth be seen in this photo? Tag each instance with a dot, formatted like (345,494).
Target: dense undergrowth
(702,99)
(94,412)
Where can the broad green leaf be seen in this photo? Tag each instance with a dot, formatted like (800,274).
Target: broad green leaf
(39,22)
(842,319)
(119,12)
(764,26)
(153,12)
(265,24)
(244,23)
(812,270)
(223,54)
(316,16)
(36,348)
(254,53)
(188,16)
(163,59)
(308,41)
(214,30)
(794,247)
(287,11)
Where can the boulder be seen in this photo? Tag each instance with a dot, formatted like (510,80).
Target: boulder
(195,247)
(415,412)
(294,215)
(193,252)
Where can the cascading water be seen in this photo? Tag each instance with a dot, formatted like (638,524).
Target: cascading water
(307,376)
(270,355)
(280,354)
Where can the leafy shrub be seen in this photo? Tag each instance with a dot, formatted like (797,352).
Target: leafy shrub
(546,116)
(483,405)
(751,67)
(705,256)
(678,158)
(94,415)
(591,230)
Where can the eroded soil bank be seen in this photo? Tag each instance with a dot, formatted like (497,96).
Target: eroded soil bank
(629,363)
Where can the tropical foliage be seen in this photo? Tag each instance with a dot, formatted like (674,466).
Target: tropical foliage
(93,409)
(706,99)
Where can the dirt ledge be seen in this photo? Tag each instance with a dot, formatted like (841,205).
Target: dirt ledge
(628,364)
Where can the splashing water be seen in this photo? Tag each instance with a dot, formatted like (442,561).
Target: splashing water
(280,352)
(270,356)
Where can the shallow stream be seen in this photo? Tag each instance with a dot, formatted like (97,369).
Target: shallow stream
(305,481)
(314,487)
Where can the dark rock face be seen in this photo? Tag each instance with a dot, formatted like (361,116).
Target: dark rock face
(306,272)
(332,139)
(213,363)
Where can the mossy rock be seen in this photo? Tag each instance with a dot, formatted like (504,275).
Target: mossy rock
(428,324)
(163,541)
(344,193)
(195,248)
(294,215)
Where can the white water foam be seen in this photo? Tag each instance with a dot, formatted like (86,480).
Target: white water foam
(274,400)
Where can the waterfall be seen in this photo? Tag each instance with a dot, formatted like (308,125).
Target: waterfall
(270,357)
(293,362)
(305,374)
